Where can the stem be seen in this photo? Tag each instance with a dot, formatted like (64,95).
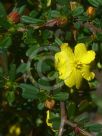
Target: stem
(20,78)
(29,74)
(78,129)
(30,77)
(65,121)
(88,25)
(63,118)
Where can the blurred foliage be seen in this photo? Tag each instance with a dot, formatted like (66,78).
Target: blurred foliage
(31,32)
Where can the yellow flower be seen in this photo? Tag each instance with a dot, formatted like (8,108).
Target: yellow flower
(15,130)
(50,124)
(47,119)
(73,66)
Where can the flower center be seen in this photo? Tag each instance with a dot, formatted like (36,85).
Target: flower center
(78,65)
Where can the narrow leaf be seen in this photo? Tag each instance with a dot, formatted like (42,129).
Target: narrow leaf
(6,42)
(95,127)
(30,20)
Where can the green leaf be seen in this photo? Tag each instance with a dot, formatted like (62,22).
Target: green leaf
(58,41)
(72,134)
(10,96)
(99,36)
(44,83)
(99,134)
(68,36)
(95,3)
(83,105)
(6,42)
(53,14)
(56,123)
(61,96)
(21,9)
(31,52)
(78,11)
(97,99)
(52,75)
(94,127)
(22,68)
(29,91)
(40,106)
(12,72)
(62,2)
(84,117)
(43,67)
(2,11)
(83,17)
(33,13)
(95,47)
(3,17)
(71,110)
(100,2)
(30,20)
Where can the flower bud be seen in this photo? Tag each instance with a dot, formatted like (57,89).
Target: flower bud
(14,17)
(73,5)
(49,104)
(90,11)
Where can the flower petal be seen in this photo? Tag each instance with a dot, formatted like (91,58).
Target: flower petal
(80,50)
(78,79)
(86,73)
(75,78)
(59,60)
(71,80)
(88,57)
(68,51)
(62,61)
(62,65)
(64,71)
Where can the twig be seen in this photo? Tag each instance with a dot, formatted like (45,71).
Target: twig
(20,78)
(31,77)
(65,121)
(63,118)
(49,24)
(85,133)
(92,27)
(77,129)
(29,74)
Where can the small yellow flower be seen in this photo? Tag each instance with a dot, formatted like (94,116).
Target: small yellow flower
(15,130)
(74,66)
(47,119)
